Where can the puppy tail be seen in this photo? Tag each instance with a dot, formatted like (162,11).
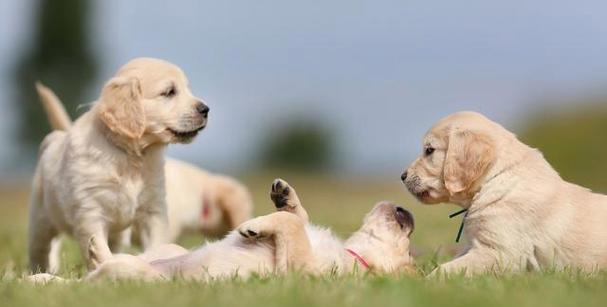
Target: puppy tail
(55,112)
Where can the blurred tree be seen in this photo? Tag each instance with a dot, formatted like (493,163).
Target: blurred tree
(299,145)
(573,140)
(59,54)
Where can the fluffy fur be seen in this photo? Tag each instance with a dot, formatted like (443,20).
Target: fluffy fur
(275,243)
(521,214)
(200,201)
(197,200)
(105,173)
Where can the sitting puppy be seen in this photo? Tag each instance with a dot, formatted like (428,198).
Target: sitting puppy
(197,200)
(106,172)
(521,214)
(274,243)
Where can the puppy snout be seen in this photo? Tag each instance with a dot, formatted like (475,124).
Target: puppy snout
(203,109)
(403,177)
(411,182)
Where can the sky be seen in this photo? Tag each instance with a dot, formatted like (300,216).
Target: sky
(379,73)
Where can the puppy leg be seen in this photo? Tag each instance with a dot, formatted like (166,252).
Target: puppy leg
(152,229)
(285,199)
(44,278)
(97,251)
(125,267)
(41,234)
(291,240)
(475,261)
(93,241)
(54,255)
(117,242)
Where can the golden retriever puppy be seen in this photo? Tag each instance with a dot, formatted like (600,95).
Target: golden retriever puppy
(520,214)
(105,173)
(200,201)
(197,200)
(274,243)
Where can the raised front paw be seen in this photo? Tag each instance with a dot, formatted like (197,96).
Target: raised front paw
(252,229)
(283,195)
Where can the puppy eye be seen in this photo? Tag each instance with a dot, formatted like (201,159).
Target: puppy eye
(170,92)
(428,151)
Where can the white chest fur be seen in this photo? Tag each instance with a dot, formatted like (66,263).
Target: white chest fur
(130,191)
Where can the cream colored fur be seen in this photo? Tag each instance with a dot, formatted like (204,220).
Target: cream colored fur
(197,200)
(521,214)
(276,243)
(106,172)
(201,201)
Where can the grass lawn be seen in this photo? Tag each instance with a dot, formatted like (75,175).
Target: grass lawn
(336,202)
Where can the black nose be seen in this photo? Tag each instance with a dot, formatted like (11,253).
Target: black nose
(403,177)
(202,109)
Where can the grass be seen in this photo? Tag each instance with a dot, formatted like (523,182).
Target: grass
(330,201)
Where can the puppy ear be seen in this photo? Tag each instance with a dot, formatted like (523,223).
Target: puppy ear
(468,158)
(121,107)
(410,222)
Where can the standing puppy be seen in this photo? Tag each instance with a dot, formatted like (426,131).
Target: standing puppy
(521,214)
(197,200)
(106,172)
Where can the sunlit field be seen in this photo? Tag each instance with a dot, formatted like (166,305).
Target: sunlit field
(336,202)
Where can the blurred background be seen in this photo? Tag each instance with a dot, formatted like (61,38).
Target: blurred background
(336,94)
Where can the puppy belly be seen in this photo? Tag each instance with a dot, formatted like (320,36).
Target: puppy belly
(227,258)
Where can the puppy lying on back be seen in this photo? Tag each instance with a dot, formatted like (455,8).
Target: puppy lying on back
(521,214)
(196,200)
(105,173)
(275,243)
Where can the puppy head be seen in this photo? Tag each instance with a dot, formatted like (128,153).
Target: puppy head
(149,101)
(456,155)
(383,239)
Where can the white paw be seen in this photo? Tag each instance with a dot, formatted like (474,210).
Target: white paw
(43,278)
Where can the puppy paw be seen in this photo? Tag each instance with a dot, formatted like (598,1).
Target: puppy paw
(96,254)
(252,229)
(93,253)
(283,196)
(43,278)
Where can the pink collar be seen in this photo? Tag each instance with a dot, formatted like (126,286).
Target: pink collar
(359,258)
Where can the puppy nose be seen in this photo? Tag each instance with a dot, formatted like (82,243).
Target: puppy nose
(403,177)
(202,109)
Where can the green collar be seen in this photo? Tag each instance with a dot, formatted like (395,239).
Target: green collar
(461,226)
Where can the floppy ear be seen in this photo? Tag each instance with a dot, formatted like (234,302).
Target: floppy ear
(468,158)
(121,107)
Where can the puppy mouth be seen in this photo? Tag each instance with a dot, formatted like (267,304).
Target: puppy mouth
(185,135)
(414,187)
(422,195)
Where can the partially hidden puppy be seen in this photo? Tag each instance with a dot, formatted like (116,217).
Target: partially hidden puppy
(521,214)
(275,243)
(197,200)
(200,201)
(105,173)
